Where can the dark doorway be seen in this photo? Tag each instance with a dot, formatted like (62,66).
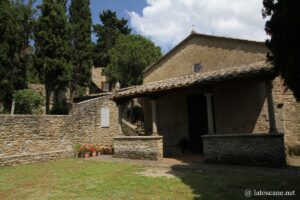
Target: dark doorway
(197,115)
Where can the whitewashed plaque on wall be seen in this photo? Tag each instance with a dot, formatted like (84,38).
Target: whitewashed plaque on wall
(105,117)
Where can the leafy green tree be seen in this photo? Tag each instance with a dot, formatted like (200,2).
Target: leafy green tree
(129,57)
(15,33)
(283,27)
(81,49)
(107,34)
(52,47)
(28,102)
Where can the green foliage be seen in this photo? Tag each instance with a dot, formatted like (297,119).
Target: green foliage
(27,102)
(283,27)
(129,57)
(107,34)
(81,50)
(15,52)
(60,109)
(52,47)
(136,114)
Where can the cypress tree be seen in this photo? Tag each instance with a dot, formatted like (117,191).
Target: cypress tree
(81,44)
(52,47)
(283,27)
(15,51)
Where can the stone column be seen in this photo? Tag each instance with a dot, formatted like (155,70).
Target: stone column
(120,119)
(210,118)
(154,122)
(271,113)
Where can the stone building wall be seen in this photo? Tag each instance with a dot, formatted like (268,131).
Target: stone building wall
(22,136)
(287,111)
(241,108)
(139,147)
(246,149)
(212,53)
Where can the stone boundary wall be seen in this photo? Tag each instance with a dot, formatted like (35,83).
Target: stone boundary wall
(245,149)
(35,157)
(139,147)
(30,138)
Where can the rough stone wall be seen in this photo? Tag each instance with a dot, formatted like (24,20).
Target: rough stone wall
(211,53)
(287,112)
(27,135)
(87,121)
(241,108)
(251,149)
(138,147)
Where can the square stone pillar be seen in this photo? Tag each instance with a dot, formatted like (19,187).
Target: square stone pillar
(154,119)
(210,118)
(271,113)
(120,119)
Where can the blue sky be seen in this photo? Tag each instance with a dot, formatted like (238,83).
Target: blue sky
(167,22)
(122,7)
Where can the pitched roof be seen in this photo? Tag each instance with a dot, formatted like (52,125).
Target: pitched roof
(195,34)
(257,69)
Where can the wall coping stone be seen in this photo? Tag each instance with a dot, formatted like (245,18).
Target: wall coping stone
(138,137)
(23,115)
(37,154)
(244,135)
(94,99)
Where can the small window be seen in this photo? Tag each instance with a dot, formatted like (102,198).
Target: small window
(197,68)
(104,117)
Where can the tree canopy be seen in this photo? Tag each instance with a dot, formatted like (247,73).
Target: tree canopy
(107,34)
(81,44)
(283,27)
(52,47)
(15,52)
(129,57)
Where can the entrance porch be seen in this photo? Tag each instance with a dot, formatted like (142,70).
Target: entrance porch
(206,114)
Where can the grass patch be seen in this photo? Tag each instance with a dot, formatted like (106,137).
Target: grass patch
(86,179)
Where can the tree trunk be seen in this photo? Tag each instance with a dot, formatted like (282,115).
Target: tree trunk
(72,94)
(48,95)
(12,107)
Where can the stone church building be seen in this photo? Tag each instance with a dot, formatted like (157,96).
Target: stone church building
(219,94)
(214,96)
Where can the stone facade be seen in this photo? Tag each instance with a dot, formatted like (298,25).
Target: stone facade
(28,135)
(213,53)
(247,149)
(138,147)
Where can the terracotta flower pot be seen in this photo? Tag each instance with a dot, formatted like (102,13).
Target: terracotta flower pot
(87,154)
(94,153)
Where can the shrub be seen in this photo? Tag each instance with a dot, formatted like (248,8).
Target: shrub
(28,101)
(136,114)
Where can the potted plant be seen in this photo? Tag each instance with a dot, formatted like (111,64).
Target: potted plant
(85,150)
(93,149)
(78,150)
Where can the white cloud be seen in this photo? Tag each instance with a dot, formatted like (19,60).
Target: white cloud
(167,22)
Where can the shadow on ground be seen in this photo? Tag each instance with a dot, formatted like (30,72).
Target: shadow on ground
(215,181)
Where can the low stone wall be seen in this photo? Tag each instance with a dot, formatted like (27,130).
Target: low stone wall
(139,147)
(24,137)
(35,157)
(245,149)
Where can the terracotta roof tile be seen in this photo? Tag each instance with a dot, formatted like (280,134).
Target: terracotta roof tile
(243,71)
